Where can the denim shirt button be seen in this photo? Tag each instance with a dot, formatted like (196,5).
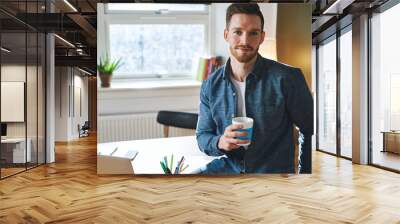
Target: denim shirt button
(234,94)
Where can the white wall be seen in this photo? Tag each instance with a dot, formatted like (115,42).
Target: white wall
(33,127)
(139,101)
(61,103)
(79,115)
(14,73)
(17,73)
(69,82)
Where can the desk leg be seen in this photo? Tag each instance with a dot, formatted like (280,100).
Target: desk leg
(384,142)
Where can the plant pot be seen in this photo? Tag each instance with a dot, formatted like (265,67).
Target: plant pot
(105,79)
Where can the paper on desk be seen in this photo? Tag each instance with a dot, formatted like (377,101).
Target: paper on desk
(117,152)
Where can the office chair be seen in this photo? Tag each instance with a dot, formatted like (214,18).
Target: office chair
(84,130)
(176,119)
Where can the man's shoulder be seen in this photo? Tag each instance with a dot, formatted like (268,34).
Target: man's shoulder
(279,68)
(216,76)
(214,81)
(282,72)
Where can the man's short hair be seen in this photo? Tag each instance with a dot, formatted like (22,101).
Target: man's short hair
(245,8)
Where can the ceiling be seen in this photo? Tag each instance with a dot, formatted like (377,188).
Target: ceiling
(75,43)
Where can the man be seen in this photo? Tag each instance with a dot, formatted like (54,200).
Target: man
(274,95)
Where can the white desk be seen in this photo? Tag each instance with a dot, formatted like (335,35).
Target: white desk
(18,149)
(152,151)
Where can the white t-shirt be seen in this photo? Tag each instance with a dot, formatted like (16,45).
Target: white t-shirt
(240,88)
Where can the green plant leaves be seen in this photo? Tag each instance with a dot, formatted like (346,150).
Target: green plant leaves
(108,66)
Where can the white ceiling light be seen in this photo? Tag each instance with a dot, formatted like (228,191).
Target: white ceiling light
(86,72)
(65,41)
(337,7)
(5,50)
(70,5)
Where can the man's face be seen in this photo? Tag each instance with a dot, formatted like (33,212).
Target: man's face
(244,36)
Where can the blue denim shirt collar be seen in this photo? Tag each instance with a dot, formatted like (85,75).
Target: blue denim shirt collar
(256,71)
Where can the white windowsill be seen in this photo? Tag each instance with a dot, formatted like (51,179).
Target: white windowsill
(148,96)
(143,84)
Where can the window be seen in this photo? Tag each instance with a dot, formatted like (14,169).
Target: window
(157,49)
(334,106)
(327,96)
(385,88)
(154,44)
(346,94)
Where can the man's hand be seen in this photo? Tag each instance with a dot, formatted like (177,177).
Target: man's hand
(227,141)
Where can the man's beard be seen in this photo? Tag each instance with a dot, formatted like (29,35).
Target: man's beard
(243,58)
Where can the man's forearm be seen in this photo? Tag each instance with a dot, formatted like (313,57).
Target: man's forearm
(208,143)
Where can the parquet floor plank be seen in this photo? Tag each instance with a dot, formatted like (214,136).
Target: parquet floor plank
(70,191)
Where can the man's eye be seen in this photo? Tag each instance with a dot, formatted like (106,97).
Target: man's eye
(254,33)
(237,32)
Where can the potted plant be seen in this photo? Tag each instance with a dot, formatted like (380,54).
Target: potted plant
(106,69)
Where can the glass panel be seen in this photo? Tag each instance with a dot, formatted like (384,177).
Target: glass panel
(32,90)
(346,94)
(22,87)
(160,49)
(327,96)
(31,101)
(386,89)
(41,98)
(13,86)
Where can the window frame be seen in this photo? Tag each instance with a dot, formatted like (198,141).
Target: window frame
(342,32)
(205,11)
(151,17)
(334,37)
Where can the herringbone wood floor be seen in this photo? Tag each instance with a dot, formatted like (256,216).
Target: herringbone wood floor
(69,191)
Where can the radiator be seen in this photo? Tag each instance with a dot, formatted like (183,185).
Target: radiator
(134,127)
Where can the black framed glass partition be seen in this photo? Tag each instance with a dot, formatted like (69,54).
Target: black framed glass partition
(22,77)
(13,109)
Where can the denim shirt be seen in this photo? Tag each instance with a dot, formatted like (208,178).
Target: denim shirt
(277,98)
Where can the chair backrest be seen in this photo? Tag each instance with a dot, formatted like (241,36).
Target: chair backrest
(86,125)
(177,119)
